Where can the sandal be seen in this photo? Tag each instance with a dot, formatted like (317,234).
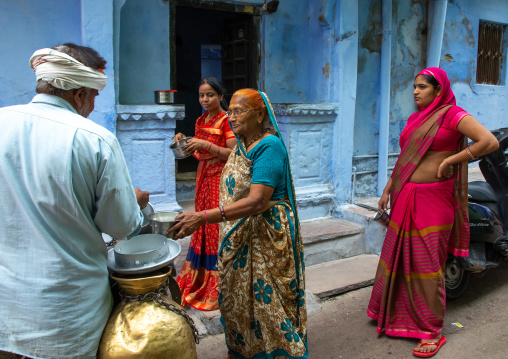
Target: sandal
(439,344)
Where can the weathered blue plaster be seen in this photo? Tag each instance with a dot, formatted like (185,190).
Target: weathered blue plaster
(28,26)
(345,68)
(145,133)
(487,103)
(286,49)
(144,62)
(97,32)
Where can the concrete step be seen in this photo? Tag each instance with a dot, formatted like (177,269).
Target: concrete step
(328,239)
(374,232)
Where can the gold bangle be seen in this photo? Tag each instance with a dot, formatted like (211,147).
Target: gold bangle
(473,157)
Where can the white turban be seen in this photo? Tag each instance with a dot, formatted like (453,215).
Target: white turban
(65,72)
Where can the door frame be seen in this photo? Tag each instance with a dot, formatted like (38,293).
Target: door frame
(254,11)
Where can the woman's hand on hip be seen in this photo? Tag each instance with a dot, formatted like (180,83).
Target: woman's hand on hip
(189,222)
(445,169)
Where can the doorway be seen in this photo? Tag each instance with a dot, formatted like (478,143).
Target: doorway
(209,42)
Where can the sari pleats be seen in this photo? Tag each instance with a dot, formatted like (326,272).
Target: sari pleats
(408,297)
(199,279)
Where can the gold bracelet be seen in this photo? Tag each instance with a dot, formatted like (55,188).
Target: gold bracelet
(473,157)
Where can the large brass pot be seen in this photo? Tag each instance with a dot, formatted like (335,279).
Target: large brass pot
(138,329)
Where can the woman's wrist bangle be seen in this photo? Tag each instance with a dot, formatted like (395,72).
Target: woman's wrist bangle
(206,218)
(208,149)
(473,157)
(218,151)
(221,208)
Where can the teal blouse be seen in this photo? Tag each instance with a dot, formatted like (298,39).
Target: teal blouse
(269,165)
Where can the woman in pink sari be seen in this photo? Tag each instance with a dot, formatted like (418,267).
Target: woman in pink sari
(429,214)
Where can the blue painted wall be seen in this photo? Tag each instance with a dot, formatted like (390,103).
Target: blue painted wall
(144,63)
(286,53)
(28,26)
(487,103)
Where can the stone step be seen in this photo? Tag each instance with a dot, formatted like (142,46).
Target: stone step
(328,239)
(374,231)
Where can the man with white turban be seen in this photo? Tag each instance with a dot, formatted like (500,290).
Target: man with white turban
(64,182)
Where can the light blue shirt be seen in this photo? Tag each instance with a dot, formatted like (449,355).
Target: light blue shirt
(63,181)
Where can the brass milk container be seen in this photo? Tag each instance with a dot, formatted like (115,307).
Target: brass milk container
(147,329)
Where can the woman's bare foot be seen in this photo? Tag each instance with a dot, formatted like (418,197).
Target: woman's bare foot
(427,348)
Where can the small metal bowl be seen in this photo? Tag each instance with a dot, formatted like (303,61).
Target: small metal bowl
(163,97)
(141,250)
(382,218)
(161,221)
(177,149)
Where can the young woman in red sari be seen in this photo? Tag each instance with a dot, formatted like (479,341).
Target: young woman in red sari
(211,145)
(429,213)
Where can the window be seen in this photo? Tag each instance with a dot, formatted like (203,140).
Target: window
(490,53)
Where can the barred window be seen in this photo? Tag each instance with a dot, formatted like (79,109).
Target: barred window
(490,53)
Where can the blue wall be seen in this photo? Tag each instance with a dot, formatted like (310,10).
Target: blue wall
(28,26)
(144,63)
(287,46)
(487,103)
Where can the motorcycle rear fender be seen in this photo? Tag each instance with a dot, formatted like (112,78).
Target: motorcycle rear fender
(485,225)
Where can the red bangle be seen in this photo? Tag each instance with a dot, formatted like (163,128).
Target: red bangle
(206,218)
(208,149)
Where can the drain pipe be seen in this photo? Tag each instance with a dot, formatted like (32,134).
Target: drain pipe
(436,24)
(384,106)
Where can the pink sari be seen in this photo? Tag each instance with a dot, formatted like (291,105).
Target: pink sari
(426,221)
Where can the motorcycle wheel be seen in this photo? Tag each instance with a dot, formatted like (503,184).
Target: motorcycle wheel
(456,279)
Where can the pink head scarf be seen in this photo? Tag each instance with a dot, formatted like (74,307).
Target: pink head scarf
(445,98)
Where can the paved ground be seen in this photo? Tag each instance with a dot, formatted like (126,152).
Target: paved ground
(343,330)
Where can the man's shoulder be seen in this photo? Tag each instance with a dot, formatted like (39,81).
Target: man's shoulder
(60,117)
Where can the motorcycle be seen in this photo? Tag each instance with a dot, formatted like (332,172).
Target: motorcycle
(488,221)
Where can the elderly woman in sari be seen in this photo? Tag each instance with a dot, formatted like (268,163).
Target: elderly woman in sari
(429,213)
(260,263)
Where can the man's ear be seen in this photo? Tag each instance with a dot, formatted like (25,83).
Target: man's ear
(79,96)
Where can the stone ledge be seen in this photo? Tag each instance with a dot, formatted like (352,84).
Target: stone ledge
(306,109)
(323,229)
(150,112)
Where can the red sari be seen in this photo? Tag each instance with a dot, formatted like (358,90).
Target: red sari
(199,278)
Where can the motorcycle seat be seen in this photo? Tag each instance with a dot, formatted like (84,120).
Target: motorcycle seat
(481,191)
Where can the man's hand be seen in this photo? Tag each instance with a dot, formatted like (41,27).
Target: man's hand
(142,196)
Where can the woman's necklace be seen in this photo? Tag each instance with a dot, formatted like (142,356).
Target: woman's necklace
(258,137)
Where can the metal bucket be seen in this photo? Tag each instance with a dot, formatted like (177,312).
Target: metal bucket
(177,149)
(141,250)
(161,221)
